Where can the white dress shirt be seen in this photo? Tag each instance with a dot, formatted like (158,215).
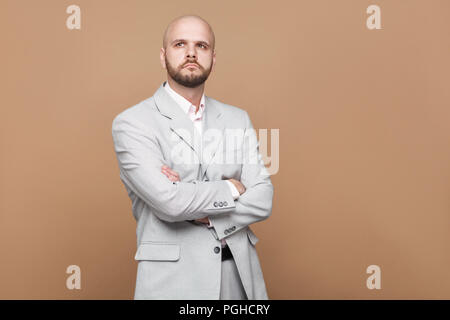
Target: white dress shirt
(196,118)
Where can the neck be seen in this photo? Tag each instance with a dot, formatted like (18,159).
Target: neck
(193,95)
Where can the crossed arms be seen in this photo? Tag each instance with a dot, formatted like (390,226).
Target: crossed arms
(175,177)
(141,161)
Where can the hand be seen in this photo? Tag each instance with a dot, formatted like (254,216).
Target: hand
(239,186)
(204,220)
(174,176)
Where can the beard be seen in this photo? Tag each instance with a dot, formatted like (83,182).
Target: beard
(189,80)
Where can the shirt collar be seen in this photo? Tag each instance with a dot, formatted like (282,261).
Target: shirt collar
(184,104)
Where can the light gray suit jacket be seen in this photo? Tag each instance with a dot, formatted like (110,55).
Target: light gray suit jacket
(177,256)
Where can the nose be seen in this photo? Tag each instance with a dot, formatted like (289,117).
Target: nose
(191,53)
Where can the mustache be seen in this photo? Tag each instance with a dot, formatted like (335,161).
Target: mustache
(191,62)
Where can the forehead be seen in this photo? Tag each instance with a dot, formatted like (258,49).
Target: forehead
(191,30)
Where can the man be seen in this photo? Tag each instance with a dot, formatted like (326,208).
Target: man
(193,208)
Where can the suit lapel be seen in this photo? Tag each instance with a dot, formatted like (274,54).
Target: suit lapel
(213,127)
(180,124)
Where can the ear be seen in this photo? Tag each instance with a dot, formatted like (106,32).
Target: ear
(162,58)
(214,59)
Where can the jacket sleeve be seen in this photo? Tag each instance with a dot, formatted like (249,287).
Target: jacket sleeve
(255,204)
(140,160)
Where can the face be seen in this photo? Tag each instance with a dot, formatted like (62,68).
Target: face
(188,56)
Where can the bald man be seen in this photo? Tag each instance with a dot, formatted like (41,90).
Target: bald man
(193,209)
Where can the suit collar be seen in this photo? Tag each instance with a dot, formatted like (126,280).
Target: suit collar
(165,104)
(184,104)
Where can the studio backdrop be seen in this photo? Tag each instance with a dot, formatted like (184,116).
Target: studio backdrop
(352,96)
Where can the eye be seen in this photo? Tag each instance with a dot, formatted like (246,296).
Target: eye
(177,44)
(202,45)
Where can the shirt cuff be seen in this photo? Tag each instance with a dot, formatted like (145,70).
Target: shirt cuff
(234,191)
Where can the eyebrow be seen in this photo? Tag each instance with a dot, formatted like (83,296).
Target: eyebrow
(202,42)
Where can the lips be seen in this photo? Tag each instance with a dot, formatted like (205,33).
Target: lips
(191,65)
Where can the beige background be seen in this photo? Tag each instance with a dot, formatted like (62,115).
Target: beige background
(364,127)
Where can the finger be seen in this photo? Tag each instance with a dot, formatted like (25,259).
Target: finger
(166,168)
(166,173)
(174,178)
(173,172)
(171,177)
(203,220)
(175,175)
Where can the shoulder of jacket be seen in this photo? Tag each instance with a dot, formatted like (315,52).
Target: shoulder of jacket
(137,113)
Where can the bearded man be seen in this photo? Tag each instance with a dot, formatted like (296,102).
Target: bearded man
(193,207)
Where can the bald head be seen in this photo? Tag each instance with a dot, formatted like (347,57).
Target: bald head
(187,21)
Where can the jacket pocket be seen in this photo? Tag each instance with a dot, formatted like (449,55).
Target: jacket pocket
(158,251)
(252,237)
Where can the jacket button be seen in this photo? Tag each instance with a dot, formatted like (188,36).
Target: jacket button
(225,203)
(216,249)
(215,204)
(226,231)
(220,204)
